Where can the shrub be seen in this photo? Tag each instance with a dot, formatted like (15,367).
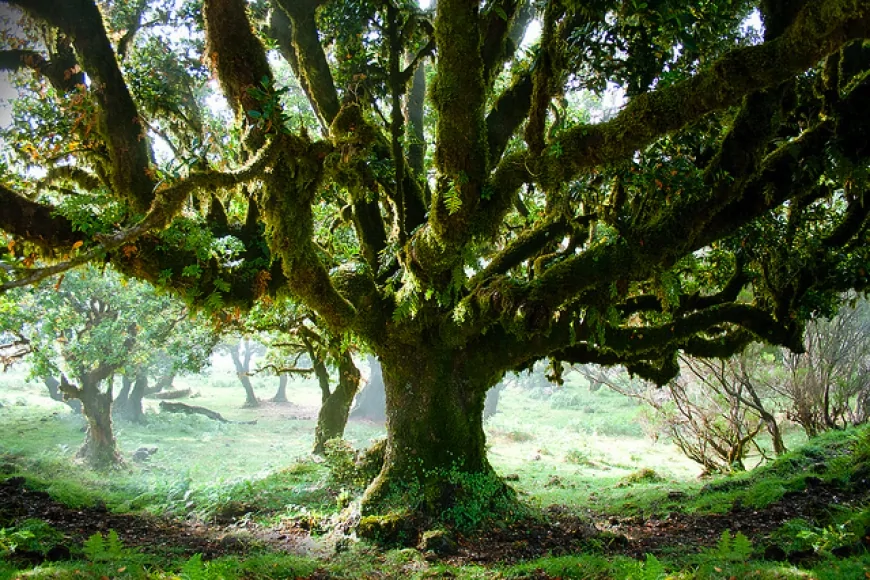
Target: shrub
(578,457)
(645,475)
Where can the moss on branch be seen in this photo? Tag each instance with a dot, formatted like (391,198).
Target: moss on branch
(119,123)
(819,29)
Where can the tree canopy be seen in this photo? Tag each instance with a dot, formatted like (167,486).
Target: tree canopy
(424,181)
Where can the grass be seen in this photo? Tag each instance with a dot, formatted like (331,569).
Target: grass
(577,448)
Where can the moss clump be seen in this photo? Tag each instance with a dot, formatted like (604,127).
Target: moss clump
(645,475)
(440,542)
(393,529)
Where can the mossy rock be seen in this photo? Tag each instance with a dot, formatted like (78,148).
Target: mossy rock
(440,542)
(394,529)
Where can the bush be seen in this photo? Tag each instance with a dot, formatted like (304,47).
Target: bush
(578,457)
(645,475)
(565,399)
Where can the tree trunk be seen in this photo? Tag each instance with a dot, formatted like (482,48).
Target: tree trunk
(99,450)
(281,394)
(124,395)
(371,404)
(130,408)
(490,405)
(332,418)
(243,368)
(435,462)
(52,384)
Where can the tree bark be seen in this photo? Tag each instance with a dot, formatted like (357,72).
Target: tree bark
(436,446)
(335,409)
(242,362)
(100,450)
(281,393)
(371,404)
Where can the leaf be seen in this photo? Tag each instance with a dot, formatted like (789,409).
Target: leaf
(77,245)
(500,12)
(254,114)
(452,200)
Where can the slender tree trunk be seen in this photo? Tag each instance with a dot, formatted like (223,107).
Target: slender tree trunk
(124,394)
(490,405)
(243,368)
(436,446)
(332,418)
(281,394)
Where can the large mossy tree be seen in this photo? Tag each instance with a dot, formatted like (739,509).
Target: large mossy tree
(448,196)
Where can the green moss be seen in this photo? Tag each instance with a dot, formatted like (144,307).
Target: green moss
(393,529)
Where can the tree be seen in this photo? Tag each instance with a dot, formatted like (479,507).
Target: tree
(173,344)
(242,349)
(491,224)
(87,327)
(294,335)
(828,386)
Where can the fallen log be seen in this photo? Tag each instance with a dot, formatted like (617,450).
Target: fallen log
(194,410)
(177,394)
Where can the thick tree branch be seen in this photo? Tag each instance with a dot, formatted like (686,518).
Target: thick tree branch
(120,124)
(313,68)
(459,98)
(62,70)
(286,202)
(507,114)
(236,55)
(35,222)
(165,208)
(819,29)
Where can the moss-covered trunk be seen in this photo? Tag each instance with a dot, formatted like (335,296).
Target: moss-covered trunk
(99,450)
(435,461)
(332,418)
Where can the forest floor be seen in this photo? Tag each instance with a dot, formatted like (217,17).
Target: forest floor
(559,532)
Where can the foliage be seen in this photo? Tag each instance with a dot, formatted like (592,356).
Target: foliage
(11,539)
(731,548)
(645,475)
(108,548)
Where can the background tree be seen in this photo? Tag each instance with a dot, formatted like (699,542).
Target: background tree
(87,327)
(295,336)
(178,343)
(721,205)
(828,385)
(242,350)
